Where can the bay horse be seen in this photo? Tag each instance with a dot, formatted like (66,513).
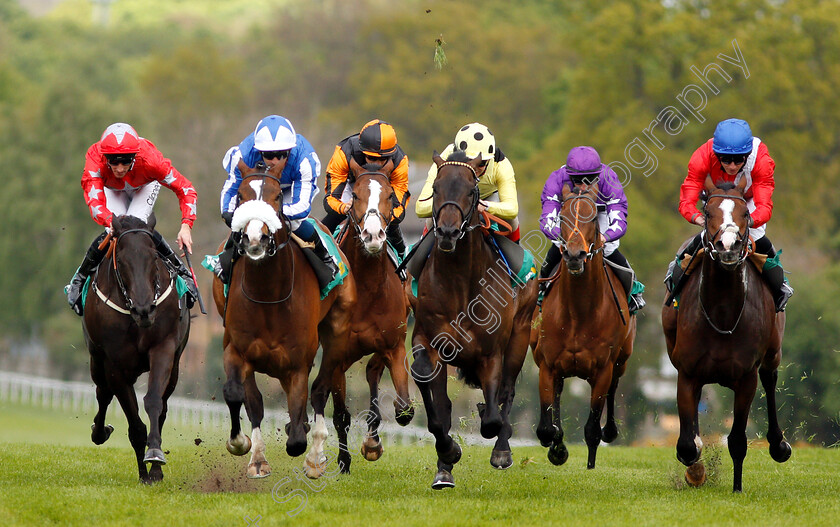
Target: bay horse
(378,325)
(134,323)
(274,320)
(586,330)
(726,331)
(468,315)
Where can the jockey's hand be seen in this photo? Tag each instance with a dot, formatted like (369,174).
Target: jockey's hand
(482,205)
(700,220)
(603,238)
(184,238)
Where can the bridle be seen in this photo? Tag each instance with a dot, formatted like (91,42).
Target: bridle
(575,204)
(357,223)
(465,227)
(273,246)
(159,296)
(709,241)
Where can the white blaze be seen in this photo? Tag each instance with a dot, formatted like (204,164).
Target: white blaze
(372,224)
(730,230)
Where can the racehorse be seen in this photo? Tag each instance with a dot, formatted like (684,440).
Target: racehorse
(378,325)
(468,315)
(273,320)
(726,331)
(134,323)
(586,330)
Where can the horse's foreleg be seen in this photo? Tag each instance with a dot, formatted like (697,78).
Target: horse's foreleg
(737,439)
(403,409)
(161,359)
(491,416)
(136,427)
(600,385)
(258,466)
(372,446)
(341,419)
(546,430)
(610,430)
(238,444)
(315,464)
(297,427)
(779,448)
(100,432)
(515,354)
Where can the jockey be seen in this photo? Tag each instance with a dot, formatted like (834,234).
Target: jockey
(375,144)
(583,164)
(123,174)
(274,143)
(496,184)
(733,153)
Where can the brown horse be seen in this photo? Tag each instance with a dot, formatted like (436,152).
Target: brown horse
(274,319)
(586,330)
(469,316)
(726,331)
(378,325)
(134,323)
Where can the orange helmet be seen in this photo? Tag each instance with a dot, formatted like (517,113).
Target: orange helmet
(378,139)
(119,138)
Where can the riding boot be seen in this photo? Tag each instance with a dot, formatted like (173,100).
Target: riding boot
(774,273)
(635,301)
(552,258)
(173,261)
(320,250)
(395,238)
(89,264)
(674,277)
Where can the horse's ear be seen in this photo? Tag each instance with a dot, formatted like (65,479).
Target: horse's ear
(277,170)
(709,185)
(152,221)
(742,185)
(116,223)
(475,162)
(355,167)
(244,169)
(388,167)
(566,192)
(437,159)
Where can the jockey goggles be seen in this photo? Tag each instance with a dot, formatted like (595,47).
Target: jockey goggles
(275,154)
(726,159)
(119,159)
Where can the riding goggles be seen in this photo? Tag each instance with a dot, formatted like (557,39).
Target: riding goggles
(275,154)
(726,159)
(119,159)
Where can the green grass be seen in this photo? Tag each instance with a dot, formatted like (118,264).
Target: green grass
(52,478)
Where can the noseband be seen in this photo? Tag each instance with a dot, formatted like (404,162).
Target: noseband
(709,241)
(371,211)
(576,227)
(464,228)
(273,246)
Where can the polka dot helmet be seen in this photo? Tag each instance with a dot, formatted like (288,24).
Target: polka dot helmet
(476,140)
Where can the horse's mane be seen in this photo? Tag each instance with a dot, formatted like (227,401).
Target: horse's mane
(459,155)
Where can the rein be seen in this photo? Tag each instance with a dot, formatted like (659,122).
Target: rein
(112,252)
(591,251)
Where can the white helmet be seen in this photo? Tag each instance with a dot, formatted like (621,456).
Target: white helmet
(476,140)
(274,133)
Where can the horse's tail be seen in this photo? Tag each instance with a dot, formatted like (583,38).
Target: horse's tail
(470,378)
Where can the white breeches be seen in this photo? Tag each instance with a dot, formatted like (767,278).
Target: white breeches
(137,202)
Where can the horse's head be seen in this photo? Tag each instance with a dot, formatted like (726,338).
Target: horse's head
(454,198)
(259,214)
(134,259)
(373,203)
(727,229)
(579,234)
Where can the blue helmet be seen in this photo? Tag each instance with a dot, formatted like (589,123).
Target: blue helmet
(733,136)
(274,133)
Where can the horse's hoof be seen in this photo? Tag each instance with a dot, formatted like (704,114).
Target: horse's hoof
(314,470)
(155,455)
(258,470)
(240,448)
(546,435)
(501,459)
(558,454)
(490,428)
(780,453)
(373,451)
(695,475)
(443,480)
(609,433)
(452,456)
(405,416)
(106,431)
(296,448)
